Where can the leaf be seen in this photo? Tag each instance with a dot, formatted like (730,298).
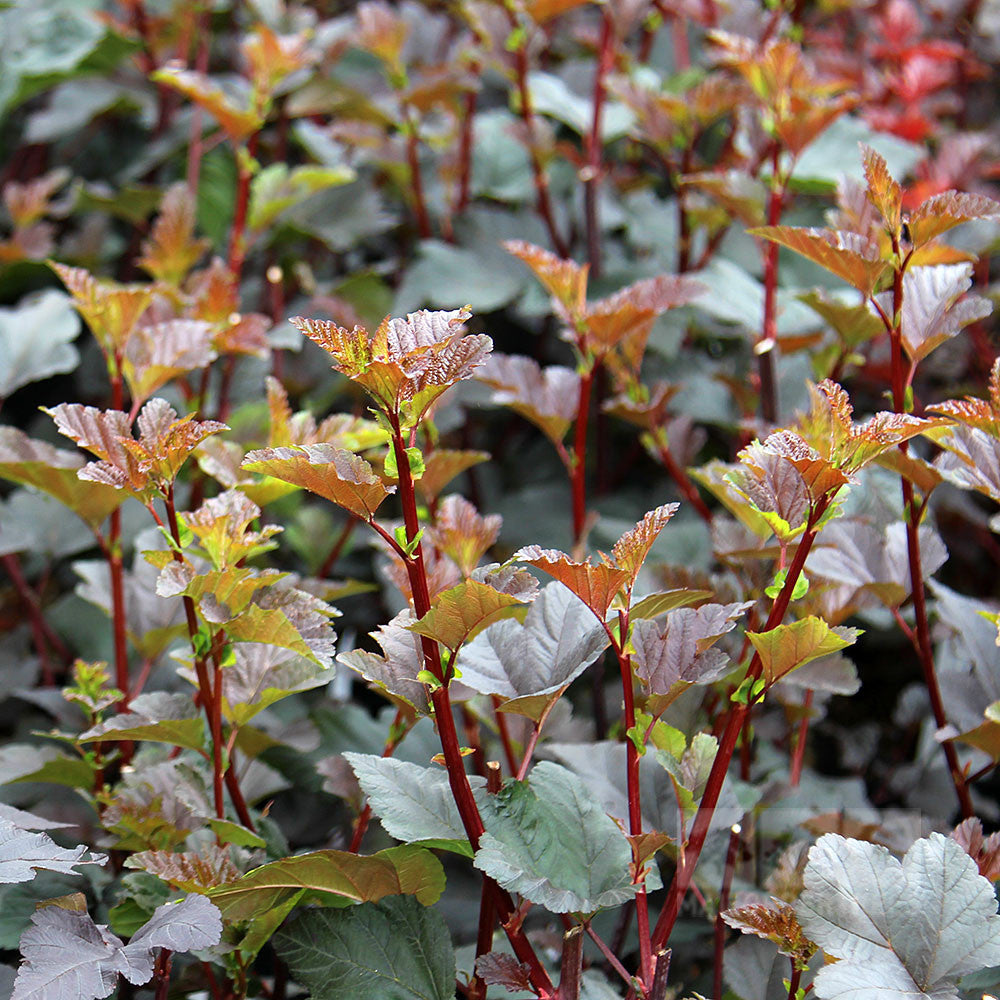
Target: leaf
(190,871)
(66,957)
(597,586)
(944,211)
(22,853)
(548,840)
(277,188)
(442,466)
(909,928)
(396,948)
(462,534)
(459,614)
(786,647)
(395,671)
(239,123)
(564,280)
(69,957)
(348,877)
(499,968)
(156,716)
(773,923)
(985,851)
(547,397)
(883,192)
(630,551)
(527,664)
(36,340)
(851,257)
(263,675)
(54,471)
(413,803)
(157,353)
(677,652)
(188,924)
(333,473)
(654,605)
(172,248)
(221,525)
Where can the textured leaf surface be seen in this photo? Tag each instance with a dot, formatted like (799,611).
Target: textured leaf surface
(558,640)
(595,585)
(786,647)
(460,613)
(393,950)
(547,839)
(413,803)
(352,877)
(23,852)
(157,716)
(334,473)
(944,211)
(907,929)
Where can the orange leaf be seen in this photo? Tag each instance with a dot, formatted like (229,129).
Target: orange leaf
(597,586)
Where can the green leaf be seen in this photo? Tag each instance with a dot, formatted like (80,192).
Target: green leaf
(547,839)
(393,950)
(159,717)
(334,878)
(907,929)
(459,614)
(786,647)
(654,605)
(413,803)
(276,188)
(233,833)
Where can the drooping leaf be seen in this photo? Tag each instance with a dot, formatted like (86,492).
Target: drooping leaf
(413,803)
(528,664)
(54,471)
(460,613)
(239,123)
(786,647)
(394,948)
(357,878)
(548,397)
(22,853)
(395,671)
(36,340)
(595,585)
(156,716)
(337,475)
(548,840)
(944,211)
(851,257)
(908,929)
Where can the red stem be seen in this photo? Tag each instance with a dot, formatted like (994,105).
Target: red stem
(720,924)
(737,717)
(912,514)
(40,631)
(237,235)
(504,731)
(543,204)
(441,700)
(195,147)
(683,482)
(798,756)
(769,332)
(338,547)
(416,176)
(579,469)
(632,783)
(395,738)
(113,553)
(592,176)
(465,146)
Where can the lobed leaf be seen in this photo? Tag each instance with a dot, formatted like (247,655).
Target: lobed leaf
(630,551)
(944,211)
(462,612)
(462,533)
(22,853)
(156,716)
(597,586)
(786,647)
(333,473)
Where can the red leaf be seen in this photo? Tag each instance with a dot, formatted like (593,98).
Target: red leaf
(597,586)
